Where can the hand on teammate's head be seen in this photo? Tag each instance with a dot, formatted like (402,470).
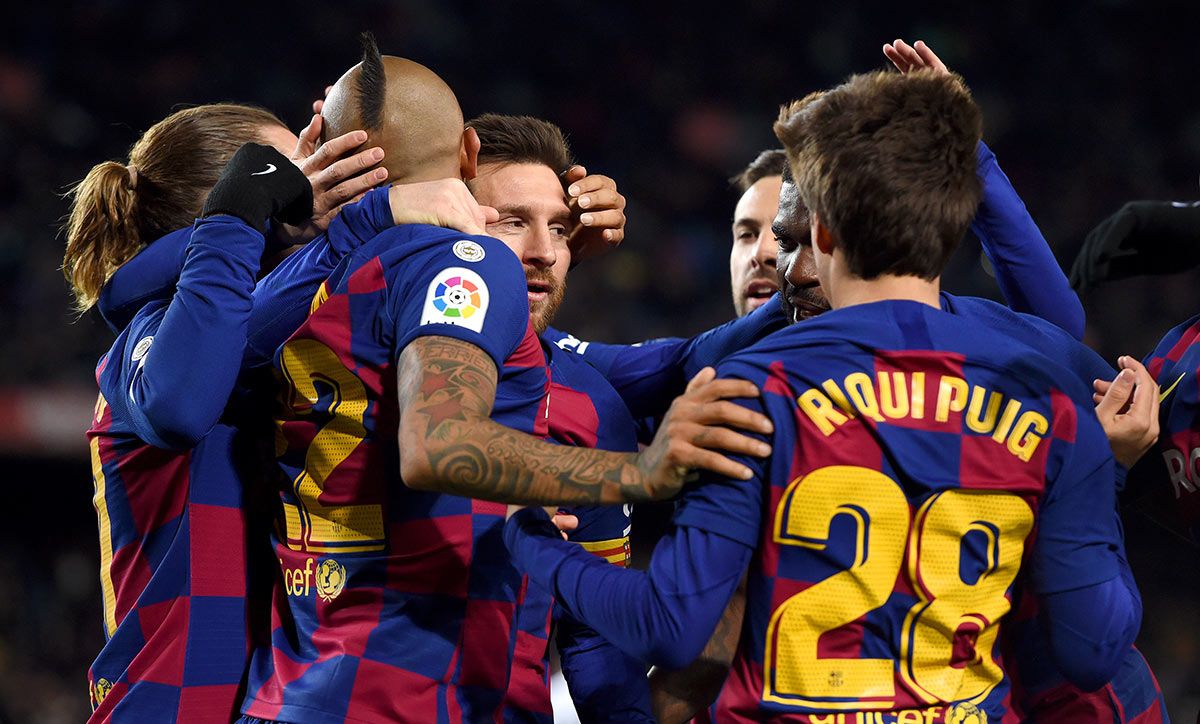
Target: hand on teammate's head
(340,172)
(444,202)
(598,211)
(1128,410)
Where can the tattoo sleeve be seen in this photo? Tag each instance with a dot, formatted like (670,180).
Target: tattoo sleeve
(446,390)
(677,696)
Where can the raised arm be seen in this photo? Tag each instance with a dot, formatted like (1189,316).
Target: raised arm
(446,389)
(182,372)
(1027,272)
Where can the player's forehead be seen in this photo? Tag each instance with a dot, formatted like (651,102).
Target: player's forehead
(791,210)
(759,203)
(528,188)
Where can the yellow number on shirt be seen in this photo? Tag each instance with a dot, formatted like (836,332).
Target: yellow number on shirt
(314,526)
(795,673)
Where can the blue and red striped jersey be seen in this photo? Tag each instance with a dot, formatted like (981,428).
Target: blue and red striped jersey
(1041,694)
(169,500)
(392,604)
(923,463)
(1174,465)
(583,410)
(172,451)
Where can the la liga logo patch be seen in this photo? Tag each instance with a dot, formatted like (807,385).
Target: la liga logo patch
(456,296)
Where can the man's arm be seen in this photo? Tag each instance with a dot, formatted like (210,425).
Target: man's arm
(678,695)
(180,376)
(1092,607)
(648,376)
(447,387)
(1026,271)
(664,615)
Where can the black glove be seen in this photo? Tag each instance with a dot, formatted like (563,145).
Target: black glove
(1144,237)
(260,183)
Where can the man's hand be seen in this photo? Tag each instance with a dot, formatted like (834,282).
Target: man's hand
(1128,411)
(598,211)
(339,174)
(563,521)
(696,426)
(913,57)
(445,202)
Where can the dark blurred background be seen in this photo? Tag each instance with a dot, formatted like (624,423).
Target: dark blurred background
(1086,105)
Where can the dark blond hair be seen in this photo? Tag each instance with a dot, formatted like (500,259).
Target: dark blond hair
(887,162)
(119,208)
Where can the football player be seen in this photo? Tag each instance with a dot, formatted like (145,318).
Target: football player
(871,592)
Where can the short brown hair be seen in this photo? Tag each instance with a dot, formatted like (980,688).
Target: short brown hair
(521,139)
(119,208)
(771,162)
(887,162)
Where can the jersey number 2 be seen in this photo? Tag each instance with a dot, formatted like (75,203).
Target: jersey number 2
(312,525)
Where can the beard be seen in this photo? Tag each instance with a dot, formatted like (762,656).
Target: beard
(541,313)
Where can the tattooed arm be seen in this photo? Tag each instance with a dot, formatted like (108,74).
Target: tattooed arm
(446,389)
(678,695)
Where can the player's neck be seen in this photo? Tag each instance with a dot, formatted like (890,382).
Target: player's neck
(850,290)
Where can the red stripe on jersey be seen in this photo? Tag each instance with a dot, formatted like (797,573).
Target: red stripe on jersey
(161,659)
(431,560)
(217,551)
(573,418)
(486,630)
(1065,418)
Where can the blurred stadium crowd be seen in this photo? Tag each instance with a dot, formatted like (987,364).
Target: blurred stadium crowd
(1085,106)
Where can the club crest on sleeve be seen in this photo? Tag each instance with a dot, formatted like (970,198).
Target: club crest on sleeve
(141,348)
(468,250)
(456,296)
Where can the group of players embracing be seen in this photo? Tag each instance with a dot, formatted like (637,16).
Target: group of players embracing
(334,387)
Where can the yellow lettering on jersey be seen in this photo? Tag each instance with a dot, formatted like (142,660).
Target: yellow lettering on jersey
(978,420)
(297,581)
(900,396)
(909,716)
(862,394)
(1027,434)
(893,395)
(952,397)
(918,396)
(821,410)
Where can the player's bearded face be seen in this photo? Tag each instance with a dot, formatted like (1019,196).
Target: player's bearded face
(546,290)
(752,257)
(535,223)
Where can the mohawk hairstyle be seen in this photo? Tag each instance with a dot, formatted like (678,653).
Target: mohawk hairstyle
(371,83)
(772,162)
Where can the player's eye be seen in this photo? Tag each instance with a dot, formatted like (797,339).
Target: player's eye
(744,236)
(785,243)
(558,230)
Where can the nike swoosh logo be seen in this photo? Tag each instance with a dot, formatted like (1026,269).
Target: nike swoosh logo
(270,169)
(1170,389)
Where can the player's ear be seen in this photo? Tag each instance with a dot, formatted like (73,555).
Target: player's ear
(468,154)
(821,238)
